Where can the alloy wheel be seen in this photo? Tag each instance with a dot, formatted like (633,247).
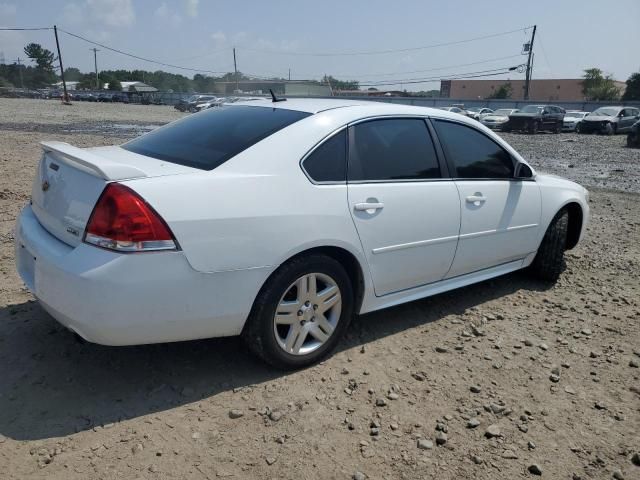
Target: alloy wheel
(307,314)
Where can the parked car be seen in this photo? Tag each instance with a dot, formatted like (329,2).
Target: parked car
(105,97)
(572,121)
(633,137)
(610,120)
(454,110)
(477,113)
(534,118)
(498,119)
(235,221)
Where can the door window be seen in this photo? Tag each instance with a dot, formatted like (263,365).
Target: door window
(473,154)
(393,149)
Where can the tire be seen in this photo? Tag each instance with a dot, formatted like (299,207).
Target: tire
(533,128)
(578,128)
(549,260)
(558,128)
(610,129)
(268,339)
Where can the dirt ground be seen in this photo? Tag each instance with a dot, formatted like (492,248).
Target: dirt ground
(482,382)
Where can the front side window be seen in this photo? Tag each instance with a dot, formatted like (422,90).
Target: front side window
(328,162)
(473,154)
(208,139)
(393,149)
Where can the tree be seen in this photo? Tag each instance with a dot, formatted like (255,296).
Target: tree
(503,91)
(72,74)
(341,84)
(44,74)
(115,85)
(597,86)
(632,91)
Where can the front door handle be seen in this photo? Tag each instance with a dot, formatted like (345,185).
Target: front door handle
(368,206)
(476,199)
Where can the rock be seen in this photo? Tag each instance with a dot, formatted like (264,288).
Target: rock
(523,428)
(424,444)
(543,346)
(586,331)
(569,390)
(493,431)
(509,454)
(531,445)
(554,378)
(235,413)
(441,349)
(496,409)
(634,364)
(270,460)
(635,459)
(617,474)
(380,402)
(593,354)
(534,469)
(393,396)
(476,459)
(475,388)
(275,415)
(418,376)
(441,438)
(600,406)
(529,343)
(359,476)
(473,422)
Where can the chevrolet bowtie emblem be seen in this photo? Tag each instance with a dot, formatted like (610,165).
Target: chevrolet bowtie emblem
(45,186)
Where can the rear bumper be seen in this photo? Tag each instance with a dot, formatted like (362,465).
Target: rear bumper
(128,299)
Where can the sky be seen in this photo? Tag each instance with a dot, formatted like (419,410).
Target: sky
(273,36)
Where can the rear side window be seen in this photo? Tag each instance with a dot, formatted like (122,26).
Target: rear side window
(394,149)
(328,162)
(473,154)
(206,140)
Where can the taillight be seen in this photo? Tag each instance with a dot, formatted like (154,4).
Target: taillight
(123,221)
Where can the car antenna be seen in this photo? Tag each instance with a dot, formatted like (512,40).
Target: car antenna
(275,99)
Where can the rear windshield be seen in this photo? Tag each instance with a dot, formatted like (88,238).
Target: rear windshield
(206,140)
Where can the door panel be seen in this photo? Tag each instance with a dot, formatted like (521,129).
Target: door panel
(408,231)
(499,223)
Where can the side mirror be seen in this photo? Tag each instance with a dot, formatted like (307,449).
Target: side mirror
(523,171)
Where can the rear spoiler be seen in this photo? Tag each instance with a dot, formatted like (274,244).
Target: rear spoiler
(94,164)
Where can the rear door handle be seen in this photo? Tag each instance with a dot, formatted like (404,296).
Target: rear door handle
(476,199)
(368,206)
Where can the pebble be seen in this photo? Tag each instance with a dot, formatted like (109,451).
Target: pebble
(441,349)
(441,438)
(393,396)
(509,454)
(543,346)
(534,469)
(635,459)
(476,459)
(235,413)
(475,388)
(359,476)
(473,423)
(496,409)
(569,390)
(270,460)
(554,378)
(275,415)
(424,444)
(600,406)
(380,402)
(493,431)
(634,364)
(617,474)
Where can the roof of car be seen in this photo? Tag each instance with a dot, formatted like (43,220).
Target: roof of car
(359,108)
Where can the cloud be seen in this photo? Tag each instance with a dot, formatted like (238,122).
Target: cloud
(219,38)
(108,13)
(192,7)
(167,16)
(7,11)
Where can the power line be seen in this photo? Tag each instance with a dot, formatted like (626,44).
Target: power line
(453,76)
(22,29)
(383,52)
(137,57)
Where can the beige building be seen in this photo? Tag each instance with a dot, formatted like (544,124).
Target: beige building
(566,89)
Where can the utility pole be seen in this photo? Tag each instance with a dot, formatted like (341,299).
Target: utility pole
(289,74)
(235,67)
(529,65)
(20,71)
(95,63)
(64,84)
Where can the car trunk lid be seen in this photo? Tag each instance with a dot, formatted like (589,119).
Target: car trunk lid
(70,180)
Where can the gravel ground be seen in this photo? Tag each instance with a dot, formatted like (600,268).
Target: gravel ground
(503,379)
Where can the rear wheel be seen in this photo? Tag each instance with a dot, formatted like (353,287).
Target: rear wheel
(533,127)
(558,127)
(578,128)
(301,312)
(549,260)
(632,140)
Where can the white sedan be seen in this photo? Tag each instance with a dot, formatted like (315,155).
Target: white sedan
(280,221)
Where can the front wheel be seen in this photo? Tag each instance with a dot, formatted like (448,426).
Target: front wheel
(578,128)
(549,260)
(533,128)
(610,129)
(301,312)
